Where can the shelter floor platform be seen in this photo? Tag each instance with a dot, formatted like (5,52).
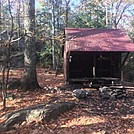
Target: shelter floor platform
(97,81)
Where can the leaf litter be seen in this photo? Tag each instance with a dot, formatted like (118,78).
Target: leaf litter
(92,116)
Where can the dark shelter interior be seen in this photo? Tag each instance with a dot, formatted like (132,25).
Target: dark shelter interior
(93,64)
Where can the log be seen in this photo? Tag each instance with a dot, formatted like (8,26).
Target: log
(43,112)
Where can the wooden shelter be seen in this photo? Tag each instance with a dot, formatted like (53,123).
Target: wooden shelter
(95,54)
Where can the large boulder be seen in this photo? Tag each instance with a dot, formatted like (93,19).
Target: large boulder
(112,93)
(81,94)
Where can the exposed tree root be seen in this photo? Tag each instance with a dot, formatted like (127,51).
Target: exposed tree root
(43,112)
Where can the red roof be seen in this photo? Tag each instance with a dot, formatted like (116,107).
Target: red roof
(85,39)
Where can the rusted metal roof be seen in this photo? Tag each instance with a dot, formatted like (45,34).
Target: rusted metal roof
(85,39)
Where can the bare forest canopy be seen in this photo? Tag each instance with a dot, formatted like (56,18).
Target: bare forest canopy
(51,17)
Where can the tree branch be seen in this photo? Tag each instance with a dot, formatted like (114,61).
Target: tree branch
(124,9)
(12,56)
(16,39)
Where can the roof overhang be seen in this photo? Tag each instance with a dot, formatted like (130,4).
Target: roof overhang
(96,40)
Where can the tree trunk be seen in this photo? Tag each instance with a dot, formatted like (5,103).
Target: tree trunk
(66,10)
(53,35)
(0,14)
(18,22)
(29,81)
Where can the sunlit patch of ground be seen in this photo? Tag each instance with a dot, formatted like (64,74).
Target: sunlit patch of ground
(83,120)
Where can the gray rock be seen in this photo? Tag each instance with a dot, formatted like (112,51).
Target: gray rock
(80,94)
(108,93)
(105,96)
(120,96)
(105,92)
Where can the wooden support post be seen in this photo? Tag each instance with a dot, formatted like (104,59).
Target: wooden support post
(122,65)
(94,72)
(67,66)
(94,66)
(122,75)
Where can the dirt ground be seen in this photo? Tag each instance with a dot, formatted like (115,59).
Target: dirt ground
(92,116)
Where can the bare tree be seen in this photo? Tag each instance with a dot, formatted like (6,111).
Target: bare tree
(117,10)
(0,13)
(53,34)
(6,61)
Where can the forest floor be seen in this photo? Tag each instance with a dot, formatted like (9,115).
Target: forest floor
(92,116)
